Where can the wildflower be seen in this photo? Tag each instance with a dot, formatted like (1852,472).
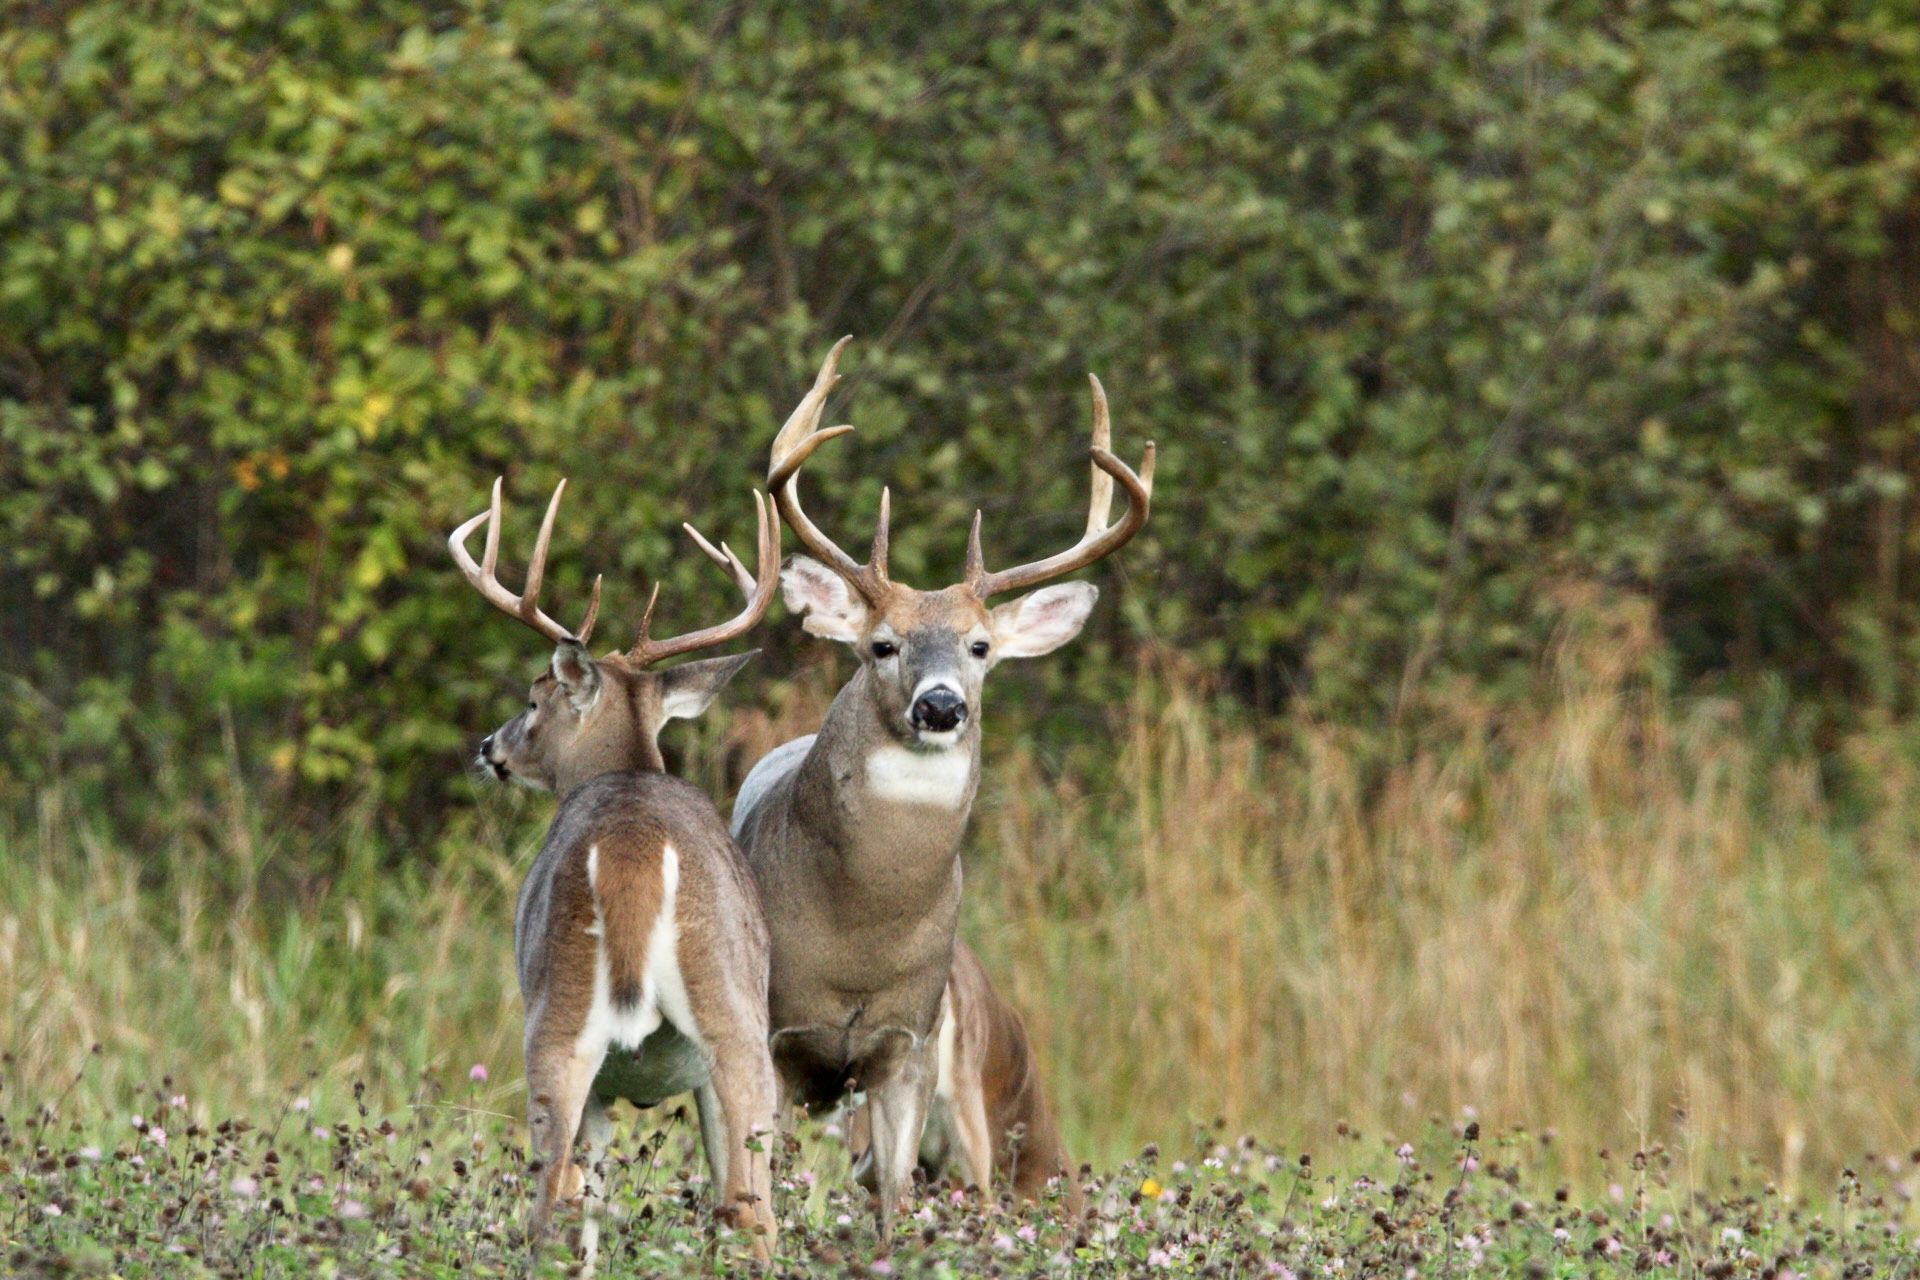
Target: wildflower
(139,1123)
(1561,1235)
(1405,1154)
(89,1153)
(1003,1242)
(156,1135)
(51,1211)
(246,1188)
(1150,1189)
(352,1210)
(1470,1164)
(845,1220)
(1731,1235)
(881,1267)
(178,1102)
(1159,1258)
(923,1214)
(1614,1247)
(1280,1271)
(477,1073)
(1027,1233)
(302,1104)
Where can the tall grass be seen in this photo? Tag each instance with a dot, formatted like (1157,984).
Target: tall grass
(1610,915)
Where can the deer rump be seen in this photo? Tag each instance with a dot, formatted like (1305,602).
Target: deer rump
(614,873)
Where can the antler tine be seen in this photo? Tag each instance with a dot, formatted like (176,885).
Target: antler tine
(1101,538)
(490,556)
(805,418)
(791,448)
(537,567)
(1100,507)
(647,651)
(724,557)
(526,606)
(882,535)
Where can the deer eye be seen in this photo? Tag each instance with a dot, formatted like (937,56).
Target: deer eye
(884,648)
(979,648)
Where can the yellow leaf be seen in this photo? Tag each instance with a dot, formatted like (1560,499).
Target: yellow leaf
(374,411)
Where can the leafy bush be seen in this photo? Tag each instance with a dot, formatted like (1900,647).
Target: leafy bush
(1431,307)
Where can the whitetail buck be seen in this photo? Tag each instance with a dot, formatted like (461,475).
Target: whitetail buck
(639,936)
(855,831)
(989,1109)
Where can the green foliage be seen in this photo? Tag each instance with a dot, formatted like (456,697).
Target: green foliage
(1431,307)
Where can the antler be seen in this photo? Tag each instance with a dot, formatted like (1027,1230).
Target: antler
(526,606)
(1100,539)
(758,592)
(793,446)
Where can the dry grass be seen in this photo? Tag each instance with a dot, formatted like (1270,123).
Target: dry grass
(1611,916)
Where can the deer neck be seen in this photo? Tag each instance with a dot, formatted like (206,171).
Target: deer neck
(612,741)
(892,812)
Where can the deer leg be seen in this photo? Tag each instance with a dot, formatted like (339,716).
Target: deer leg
(897,1115)
(972,1134)
(739,1103)
(558,1079)
(860,1145)
(596,1127)
(736,1116)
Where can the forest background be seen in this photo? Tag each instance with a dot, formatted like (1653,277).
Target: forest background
(1511,703)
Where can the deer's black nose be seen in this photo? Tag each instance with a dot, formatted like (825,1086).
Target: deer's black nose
(938,710)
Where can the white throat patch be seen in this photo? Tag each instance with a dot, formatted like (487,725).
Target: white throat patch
(905,776)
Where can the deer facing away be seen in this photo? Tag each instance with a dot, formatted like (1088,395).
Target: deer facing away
(855,831)
(639,936)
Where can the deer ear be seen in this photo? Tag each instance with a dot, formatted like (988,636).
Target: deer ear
(578,674)
(1043,620)
(689,689)
(823,596)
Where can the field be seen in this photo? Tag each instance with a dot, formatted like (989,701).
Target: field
(436,1191)
(1665,969)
